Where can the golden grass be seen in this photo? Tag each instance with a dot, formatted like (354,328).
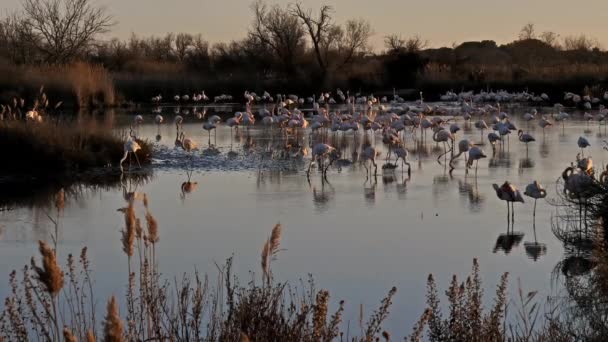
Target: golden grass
(62,147)
(50,274)
(83,84)
(188,309)
(113,327)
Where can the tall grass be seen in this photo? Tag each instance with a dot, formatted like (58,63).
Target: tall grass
(53,303)
(53,147)
(82,85)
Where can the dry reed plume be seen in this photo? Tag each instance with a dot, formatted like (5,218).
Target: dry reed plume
(113,327)
(50,273)
(191,309)
(270,250)
(68,336)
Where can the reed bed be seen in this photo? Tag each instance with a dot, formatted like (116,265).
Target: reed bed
(51,302)
(82,85)
(56,147)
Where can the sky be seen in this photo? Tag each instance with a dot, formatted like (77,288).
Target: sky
(441,22)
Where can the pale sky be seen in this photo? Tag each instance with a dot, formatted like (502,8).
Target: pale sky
(442,22)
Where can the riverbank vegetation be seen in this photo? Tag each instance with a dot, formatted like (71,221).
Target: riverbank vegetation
(55,148)
(54,302)
(288,48)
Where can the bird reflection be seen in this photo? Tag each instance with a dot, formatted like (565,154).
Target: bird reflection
(534,250)
(544,148)
(475,198)
(187,188)
(526,163)
(369,189)
(321,198)
(401,186)
(506,242)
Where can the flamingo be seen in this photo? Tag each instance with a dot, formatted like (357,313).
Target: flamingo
(536,191)
(509,193)
(475,153)
(525,138)
(464,146)
(582,144)
(130,146)
(208,126)
(481,125)
(443,136)
(402,153)
(319,152)
(178,120)
(369,153)
(544,122)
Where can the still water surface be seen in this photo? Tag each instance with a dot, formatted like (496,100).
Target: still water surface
(357,237)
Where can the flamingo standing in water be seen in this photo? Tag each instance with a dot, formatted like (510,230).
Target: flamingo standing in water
(475,153)
(130,146)
(402,153)
(510,194)
(582,144)
(178,120)
(525,138)
(319,152)
(369,153)
(536,191)
(464,146)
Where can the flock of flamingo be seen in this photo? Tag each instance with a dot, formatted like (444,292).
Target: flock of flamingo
(395,121)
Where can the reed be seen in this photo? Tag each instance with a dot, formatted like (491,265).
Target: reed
(62,147)
(189,308)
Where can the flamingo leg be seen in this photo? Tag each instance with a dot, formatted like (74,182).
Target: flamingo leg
(137,159)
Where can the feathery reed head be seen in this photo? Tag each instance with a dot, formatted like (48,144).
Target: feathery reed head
(90,336)
(152,227)
(129,233)
(68,336)
(50,274)
(112,326)
(145,200)
(60,200)
(270,249)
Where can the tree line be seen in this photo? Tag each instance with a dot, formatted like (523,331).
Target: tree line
(283,42)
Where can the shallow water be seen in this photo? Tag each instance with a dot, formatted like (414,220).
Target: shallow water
(356,236)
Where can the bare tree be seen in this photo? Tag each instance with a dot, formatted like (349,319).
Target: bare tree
(550,38)
(415,44)
(527,32)
(580,42)
(14,42)
(334,46)
(319,30)
(183,43)
(64,29)
(394,43)
(397,44)
(355,40)
(280,31)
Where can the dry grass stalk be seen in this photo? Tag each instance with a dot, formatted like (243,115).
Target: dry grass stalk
(320,314)
(129,233)
(270,250)
(68,336)
(50,274)
(60,200)
(90,336)
(152,228)
(113,327)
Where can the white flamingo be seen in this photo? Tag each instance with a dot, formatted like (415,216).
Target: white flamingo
(130,146)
